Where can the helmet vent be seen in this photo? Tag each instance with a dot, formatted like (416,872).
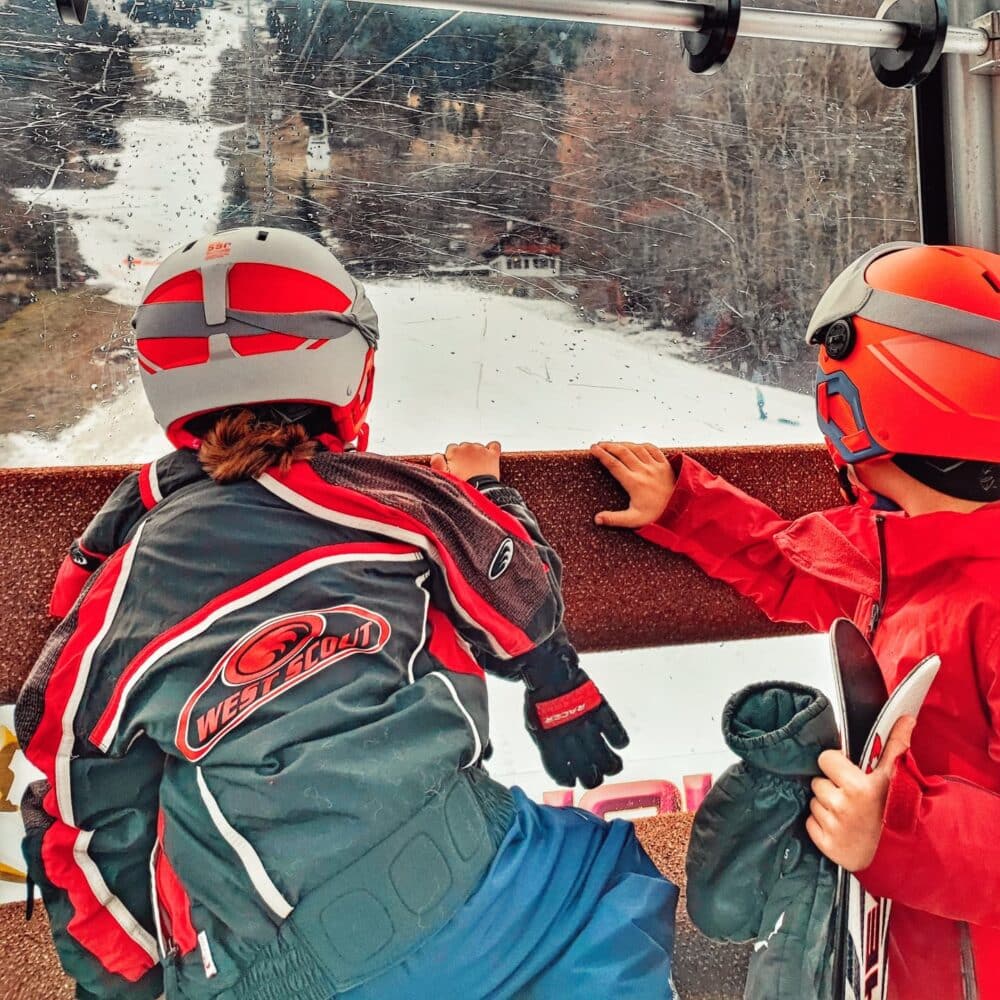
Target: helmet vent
(262,235)
(992,281)
(188,247)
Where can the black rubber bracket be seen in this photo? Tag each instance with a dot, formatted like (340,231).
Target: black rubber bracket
(706,50)
(926,27)
(932,160)
(72,11)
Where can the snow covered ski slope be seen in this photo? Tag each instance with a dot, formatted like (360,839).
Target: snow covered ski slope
(456,363)
(168,177)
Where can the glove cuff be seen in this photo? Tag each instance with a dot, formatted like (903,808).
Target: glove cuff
(568,707)
(495,491)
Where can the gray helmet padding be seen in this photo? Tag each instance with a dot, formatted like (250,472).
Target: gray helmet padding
(850,295)
(330,375)
(849,291)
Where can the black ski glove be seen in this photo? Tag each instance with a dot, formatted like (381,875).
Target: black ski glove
(568,718)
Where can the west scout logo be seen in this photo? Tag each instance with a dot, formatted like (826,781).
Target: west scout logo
(270,660)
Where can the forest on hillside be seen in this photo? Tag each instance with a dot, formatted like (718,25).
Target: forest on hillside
(59,91)
(62,98)
(411,139)
(716,205)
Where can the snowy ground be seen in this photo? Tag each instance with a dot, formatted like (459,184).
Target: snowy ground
(455,364)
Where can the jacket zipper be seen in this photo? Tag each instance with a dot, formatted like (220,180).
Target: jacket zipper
(879,606)
(970,987)
(164,923)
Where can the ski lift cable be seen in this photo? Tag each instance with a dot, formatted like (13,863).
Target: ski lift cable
(338,98)
(311,35)
(48,187)
(754,22)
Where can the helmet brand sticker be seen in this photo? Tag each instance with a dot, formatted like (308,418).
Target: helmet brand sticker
(217,249)
(269,660)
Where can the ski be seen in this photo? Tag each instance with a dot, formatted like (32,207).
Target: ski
(868,915)
(860,695)
(861,920)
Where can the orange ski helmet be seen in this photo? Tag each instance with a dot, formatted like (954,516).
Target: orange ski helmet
(255,316)
(909,363)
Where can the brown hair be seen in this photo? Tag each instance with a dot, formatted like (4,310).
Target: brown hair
(242,444)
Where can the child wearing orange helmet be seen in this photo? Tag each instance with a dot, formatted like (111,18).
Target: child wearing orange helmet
(908,398)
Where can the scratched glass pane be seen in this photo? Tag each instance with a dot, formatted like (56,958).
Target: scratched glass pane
(568,235)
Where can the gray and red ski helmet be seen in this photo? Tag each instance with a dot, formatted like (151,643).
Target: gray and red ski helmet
(255,315)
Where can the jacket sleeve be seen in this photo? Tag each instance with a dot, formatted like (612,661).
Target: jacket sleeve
(938,847)
(90,821)
(522,578)
(510,502)
(492,574)
(741,541)
(105,534)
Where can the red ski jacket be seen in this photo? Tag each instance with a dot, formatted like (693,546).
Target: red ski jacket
(916,585)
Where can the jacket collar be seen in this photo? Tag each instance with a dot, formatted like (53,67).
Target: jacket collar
(916,544)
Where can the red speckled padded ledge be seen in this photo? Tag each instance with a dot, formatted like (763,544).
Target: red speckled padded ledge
(621,592)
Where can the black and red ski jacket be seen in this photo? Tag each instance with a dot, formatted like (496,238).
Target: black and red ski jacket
(261,722)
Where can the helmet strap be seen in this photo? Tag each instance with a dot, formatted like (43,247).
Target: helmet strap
(349,420)
(180,437)
(858,493)
(876,501)
(846,486)
(863,496)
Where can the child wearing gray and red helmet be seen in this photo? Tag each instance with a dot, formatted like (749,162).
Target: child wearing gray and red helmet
(263,719)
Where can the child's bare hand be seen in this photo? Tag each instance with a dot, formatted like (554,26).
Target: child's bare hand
(468,459)
(645,474)
(846,813)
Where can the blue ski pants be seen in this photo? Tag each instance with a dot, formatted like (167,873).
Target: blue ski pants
(570,906)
